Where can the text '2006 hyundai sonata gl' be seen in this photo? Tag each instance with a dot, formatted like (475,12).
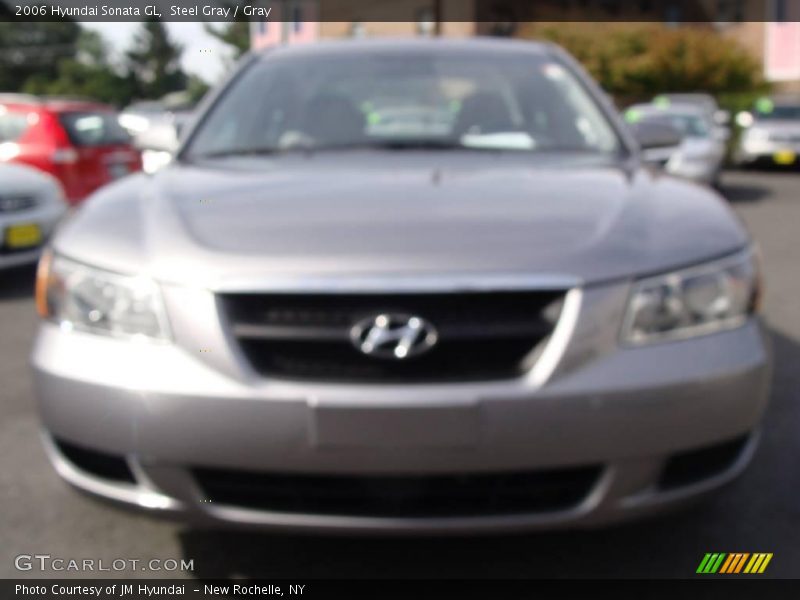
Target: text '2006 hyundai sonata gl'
(402,286)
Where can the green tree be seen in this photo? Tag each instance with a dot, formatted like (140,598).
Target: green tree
(33,48)
(154,61)
(236,35)
(196,88)
(88,73)
(638,61)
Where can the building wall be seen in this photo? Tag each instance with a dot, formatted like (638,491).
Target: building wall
(410,17)
(290,22)
(775,44)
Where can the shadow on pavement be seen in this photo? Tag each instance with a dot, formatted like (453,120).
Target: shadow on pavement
(17,282)
(742,193)
(751,515)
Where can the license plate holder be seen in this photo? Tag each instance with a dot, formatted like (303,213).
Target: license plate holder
(22,235)
(457,426)
(785,157)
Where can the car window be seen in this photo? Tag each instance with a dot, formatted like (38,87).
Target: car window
(779,112)
(508,103)
(12,125)
(689,125)
(93,128)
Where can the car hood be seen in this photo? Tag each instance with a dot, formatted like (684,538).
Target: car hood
(21,179)
(417,215)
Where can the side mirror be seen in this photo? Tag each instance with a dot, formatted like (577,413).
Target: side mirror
(652,135)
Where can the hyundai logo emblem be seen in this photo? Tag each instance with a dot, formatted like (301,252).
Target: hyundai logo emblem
(393,335)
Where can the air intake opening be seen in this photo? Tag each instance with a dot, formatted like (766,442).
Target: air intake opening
(99,464)
(694,466)
(401,496)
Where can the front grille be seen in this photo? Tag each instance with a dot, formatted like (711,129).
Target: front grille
(16,202)
(400,496)
(481,335)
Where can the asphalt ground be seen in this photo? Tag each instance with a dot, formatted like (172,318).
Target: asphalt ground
(760,512)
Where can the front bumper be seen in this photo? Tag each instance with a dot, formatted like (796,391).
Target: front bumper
(706,172)
(168,409)
(768,151)
(45,216)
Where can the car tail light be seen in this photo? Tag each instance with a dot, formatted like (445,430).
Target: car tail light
(52,130)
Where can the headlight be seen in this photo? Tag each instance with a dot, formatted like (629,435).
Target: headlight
(695,301)
(155,160)
(77,296)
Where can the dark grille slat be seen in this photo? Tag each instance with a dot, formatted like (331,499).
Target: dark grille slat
(313,332)
(14,203)
(284,332)
(401,496)
(481,335)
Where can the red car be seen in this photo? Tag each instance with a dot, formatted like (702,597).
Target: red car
(79,142)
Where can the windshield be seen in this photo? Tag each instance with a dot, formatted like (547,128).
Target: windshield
(689,125)
(788,112)
(509,102)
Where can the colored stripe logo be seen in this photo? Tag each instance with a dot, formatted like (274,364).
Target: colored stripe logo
(734,563)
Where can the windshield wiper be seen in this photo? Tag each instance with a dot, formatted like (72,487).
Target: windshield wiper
(261,151)
(410,144)
(396,144)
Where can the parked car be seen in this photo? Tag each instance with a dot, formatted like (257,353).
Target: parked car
(701,152)
(159,141)
(140,116)
(771,133)
(155,126)
(311,321)
(79,142)
(721,118)
(31,203)
(137,117)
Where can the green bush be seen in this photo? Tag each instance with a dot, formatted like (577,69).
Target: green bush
(638,61)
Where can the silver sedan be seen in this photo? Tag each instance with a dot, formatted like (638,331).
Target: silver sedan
(488,316)
(701,152)
(31,203)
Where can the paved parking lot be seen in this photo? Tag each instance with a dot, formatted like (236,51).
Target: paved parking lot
(759,513)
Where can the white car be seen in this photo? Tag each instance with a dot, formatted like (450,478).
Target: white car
(701,152)
(31,203)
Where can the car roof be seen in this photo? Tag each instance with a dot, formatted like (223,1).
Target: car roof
(358,47)
(689,96)
(674,108)
(53,103)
